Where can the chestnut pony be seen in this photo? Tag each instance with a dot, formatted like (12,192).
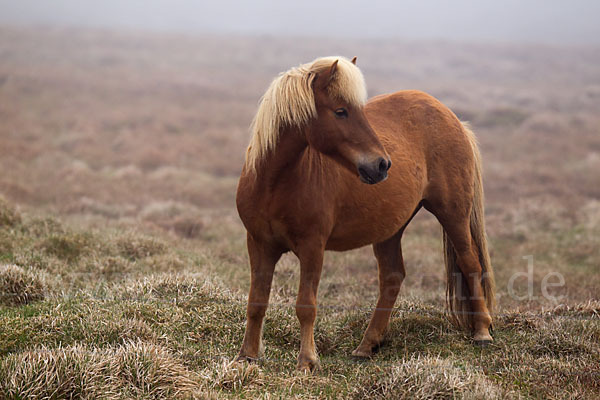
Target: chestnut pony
(317,177)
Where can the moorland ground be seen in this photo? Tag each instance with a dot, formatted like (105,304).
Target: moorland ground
(124,271)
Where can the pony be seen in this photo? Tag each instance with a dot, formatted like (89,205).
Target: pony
(328,170)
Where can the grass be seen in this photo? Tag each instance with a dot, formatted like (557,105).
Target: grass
(143,332)
(9,216)
(437,378)
(132,370)
(18,286)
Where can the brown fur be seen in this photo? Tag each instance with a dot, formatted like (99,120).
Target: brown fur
(305,196)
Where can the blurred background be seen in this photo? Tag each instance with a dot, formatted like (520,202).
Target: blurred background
(136,113)
(541,21)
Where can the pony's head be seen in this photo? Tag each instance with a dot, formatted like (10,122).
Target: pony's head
(325,99)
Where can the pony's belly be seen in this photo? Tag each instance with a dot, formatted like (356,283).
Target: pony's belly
(344,244)
(354,233)
(374,214)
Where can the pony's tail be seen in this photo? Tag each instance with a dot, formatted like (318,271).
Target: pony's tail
(457,290)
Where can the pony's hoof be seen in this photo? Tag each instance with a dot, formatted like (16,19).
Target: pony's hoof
(482,339)
(362,354)
(308,366)
(243,359)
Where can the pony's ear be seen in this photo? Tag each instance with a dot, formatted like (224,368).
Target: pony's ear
(312,78)
(332,71)
(324,78)
(354,60)
(333,67)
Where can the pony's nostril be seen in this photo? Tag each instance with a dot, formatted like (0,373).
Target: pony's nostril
(383,165)
(389,164)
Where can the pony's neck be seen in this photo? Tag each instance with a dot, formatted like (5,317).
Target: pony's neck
(285,159)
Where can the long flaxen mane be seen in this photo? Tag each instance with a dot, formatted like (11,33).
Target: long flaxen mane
(290,101)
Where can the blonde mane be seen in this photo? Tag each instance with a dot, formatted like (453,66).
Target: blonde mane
(289,100)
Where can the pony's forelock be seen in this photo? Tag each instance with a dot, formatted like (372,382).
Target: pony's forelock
(289,100)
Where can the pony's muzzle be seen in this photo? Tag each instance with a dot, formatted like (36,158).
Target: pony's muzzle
(375,171)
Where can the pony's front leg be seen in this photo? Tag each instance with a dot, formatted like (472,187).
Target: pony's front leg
(311,264)
(263,258)
(391,275)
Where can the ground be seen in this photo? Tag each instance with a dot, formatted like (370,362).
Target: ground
(123,265)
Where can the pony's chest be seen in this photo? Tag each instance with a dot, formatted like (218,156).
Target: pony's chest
(286,215)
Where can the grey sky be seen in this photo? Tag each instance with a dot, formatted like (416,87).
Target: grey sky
(545,21)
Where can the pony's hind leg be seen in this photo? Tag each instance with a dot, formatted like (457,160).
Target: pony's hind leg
(391,275)
(470,309)
(262,264)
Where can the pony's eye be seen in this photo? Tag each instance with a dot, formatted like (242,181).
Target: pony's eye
(341,113)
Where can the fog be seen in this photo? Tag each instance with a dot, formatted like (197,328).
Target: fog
(536,21)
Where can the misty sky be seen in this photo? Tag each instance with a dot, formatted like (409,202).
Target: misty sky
(542,21)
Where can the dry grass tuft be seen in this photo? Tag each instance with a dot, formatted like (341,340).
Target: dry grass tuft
(40,227)
(164,263)
(591,309)
(18,286)
(114,267)
(100,329)
(68,247)
(429,378)
(174,286)
(133,370)
(563,338)
(147,370)
(233,376)
(6,243)
(187,227)
(43,373)
(9,216)
(179,218)
(138,247)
